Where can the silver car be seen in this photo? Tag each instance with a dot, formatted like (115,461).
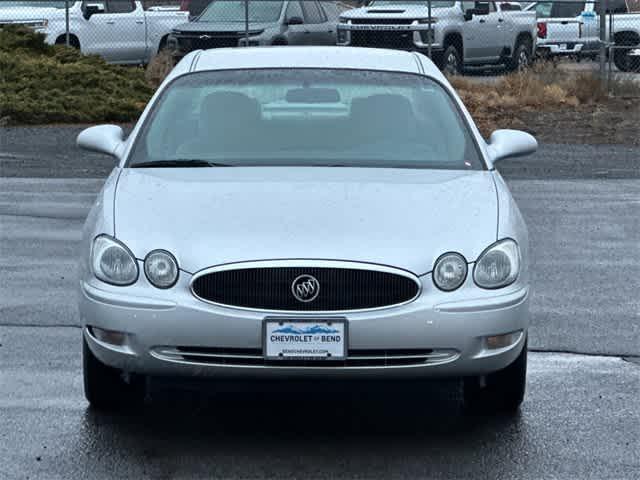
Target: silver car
(305,212)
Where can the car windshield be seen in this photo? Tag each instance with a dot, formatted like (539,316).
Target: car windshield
(225,11)
(37,3)
(385,3)
(306,117)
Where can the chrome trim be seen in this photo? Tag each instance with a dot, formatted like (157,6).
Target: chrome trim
(309,264)
(174,355)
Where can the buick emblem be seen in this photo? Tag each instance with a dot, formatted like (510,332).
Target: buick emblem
(205,37)
(305,288)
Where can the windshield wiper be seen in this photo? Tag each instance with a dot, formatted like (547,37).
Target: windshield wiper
(177,164)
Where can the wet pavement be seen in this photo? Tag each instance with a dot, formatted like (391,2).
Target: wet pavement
(580,419)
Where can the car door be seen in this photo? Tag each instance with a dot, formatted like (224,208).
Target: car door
(118,33)
(296,34)
(321,31)
(483,34)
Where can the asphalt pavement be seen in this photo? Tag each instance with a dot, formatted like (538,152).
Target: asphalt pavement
(580,419)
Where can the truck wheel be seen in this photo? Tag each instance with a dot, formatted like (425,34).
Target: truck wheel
(104,387)
(451,63)
(521,59)
(503,390)
(625,62)
(73,41)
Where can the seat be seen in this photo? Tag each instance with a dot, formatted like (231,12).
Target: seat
(226,122)
(382,117)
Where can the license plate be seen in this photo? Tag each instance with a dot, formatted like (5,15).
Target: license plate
(563,46)
(318,339)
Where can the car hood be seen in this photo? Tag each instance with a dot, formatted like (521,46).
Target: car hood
(399,11)
(404,218)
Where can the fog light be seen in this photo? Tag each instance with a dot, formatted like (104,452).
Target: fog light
(501,341)
(109,336)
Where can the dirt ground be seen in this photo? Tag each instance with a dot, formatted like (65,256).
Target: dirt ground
(615,122)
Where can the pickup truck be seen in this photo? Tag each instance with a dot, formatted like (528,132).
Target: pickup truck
(460,33)
(121,31)
(270,22)
(572,28)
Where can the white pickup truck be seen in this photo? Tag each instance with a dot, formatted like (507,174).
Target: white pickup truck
(460,33)
(121,31)
(572,28)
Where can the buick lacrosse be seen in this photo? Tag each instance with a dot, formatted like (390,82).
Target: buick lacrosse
(305,212)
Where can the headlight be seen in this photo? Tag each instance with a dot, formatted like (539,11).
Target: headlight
(161,269)
(450,271)
(498,266)
(112,262)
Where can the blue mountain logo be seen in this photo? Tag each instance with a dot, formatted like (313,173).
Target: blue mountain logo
(310,330)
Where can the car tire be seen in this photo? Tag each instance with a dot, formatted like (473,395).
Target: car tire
(501,392)
(451,61)
(104,386)
(521,58)
(625,62)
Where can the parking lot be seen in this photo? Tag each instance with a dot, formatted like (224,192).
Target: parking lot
(579,195)
(580,419)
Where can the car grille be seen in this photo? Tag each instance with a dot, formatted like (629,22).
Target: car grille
(402,40)
(271,288)
(207,40)
(249,357)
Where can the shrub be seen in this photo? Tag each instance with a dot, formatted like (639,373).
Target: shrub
(41,83)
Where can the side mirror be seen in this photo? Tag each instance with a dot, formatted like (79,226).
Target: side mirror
(106,139)
(479,9)
(91,10)
(295,21)
(510,143)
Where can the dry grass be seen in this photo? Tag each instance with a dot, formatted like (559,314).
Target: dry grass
(159,67)
(509,101)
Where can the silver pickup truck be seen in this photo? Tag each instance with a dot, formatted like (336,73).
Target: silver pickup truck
(572,28)
(459,33)
(121,31)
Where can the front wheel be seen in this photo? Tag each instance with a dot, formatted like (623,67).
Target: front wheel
(521,59)
(502,391)
(625,62)
(105,387)
(451,63)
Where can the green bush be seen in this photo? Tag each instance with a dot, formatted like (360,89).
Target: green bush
(41,83)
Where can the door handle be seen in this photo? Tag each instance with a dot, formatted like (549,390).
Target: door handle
(482,21)
(139,22)
(501,20)
(110,22)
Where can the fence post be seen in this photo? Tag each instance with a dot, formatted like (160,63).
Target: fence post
(246,23)
(66,19)
(430,32)
(603,39)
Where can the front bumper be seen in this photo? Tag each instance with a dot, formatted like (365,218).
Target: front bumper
(422,36)
(566,49)
(457,323)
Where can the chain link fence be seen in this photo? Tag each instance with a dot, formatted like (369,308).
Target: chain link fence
(461,37)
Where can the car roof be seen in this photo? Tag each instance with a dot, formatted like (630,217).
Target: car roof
(307,57)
